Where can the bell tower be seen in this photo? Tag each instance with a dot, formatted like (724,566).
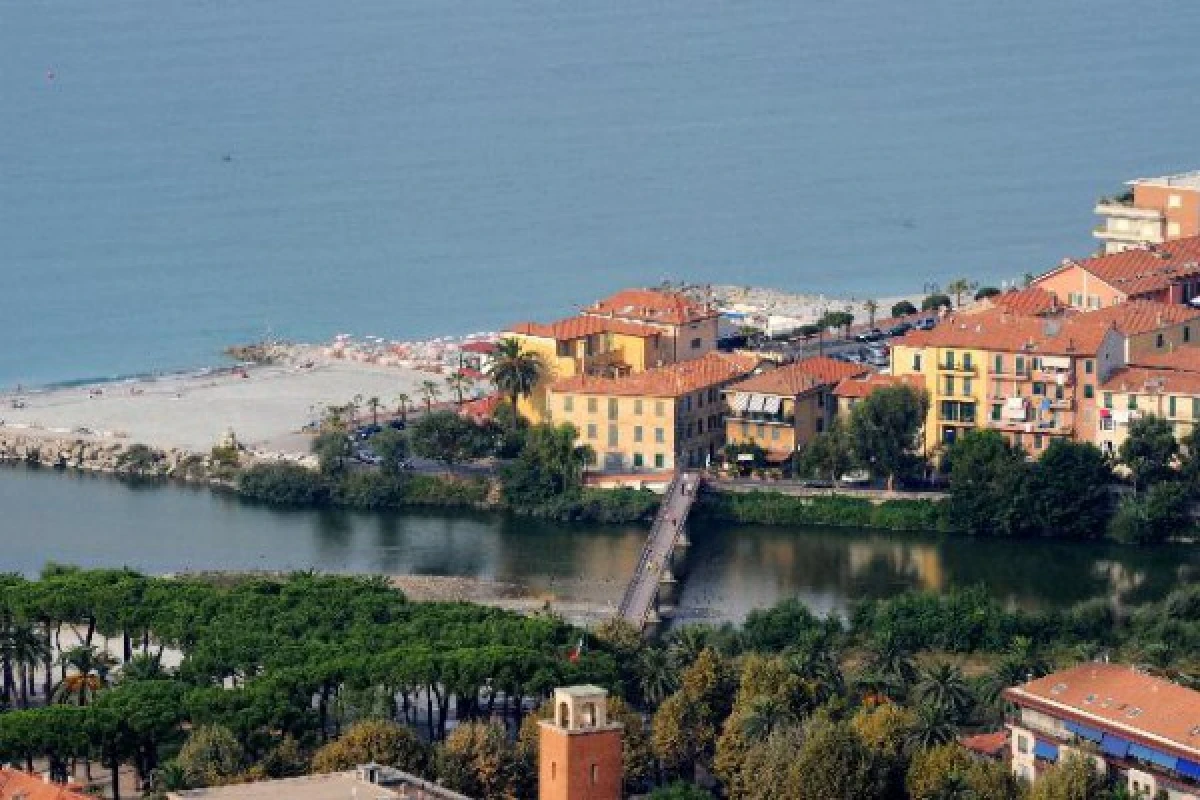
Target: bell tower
(579,750)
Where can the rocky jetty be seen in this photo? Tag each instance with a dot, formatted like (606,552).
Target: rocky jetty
(115,457)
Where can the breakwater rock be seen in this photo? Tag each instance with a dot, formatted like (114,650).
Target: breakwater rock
(101,455)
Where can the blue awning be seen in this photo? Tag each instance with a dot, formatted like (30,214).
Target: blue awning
(1114,746)
(1153,756)
(1190,769)
(1087,732)
(1045,750)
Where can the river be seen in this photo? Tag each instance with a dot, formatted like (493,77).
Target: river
(93,520)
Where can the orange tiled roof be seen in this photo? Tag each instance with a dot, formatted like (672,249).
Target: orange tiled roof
(1119,697)
(998,331)
(800,376)
(1183,359)
(481,408)
(1142,270)
(862,385)
(578,327)
(1031,302)
(986,744)
(22,785)
(650,305)
(670,381)
(1142,316)
(1146,380)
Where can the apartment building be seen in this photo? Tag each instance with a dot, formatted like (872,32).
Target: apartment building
(658,419)
(781,410)
(1032,379)
(1150,211)
(1167,273)
(853,390)
(1141,731)
(1166,386)
(630,332)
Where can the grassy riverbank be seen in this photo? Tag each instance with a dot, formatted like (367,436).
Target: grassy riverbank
(776,508)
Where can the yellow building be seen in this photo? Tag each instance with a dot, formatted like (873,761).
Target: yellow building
(1032,379)
(660,419)
(633,331)
(783,409)
(1164,386)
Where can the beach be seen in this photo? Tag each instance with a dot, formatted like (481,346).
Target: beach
(266,406)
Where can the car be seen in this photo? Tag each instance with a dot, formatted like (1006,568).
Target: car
(927,324)
(877,360)
(397,424)
(366,432)
(815,483)
(900,330)
(873,335)
(854,358)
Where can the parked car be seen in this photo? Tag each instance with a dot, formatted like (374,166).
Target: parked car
(366,432)
(397,424)
(927,324)
(858,477)
(900,330)
(873,335)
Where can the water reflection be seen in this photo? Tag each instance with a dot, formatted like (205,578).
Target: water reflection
(95,521)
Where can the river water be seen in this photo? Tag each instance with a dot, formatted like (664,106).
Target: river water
(177,175)
(92,520)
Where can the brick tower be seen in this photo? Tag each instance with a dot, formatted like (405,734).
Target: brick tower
(579,751)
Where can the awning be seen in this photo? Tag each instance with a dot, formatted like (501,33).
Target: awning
(1086,731)
(1045,750)
(1015,402)
(756,403)
(738,401)
(1114,746)
(1153,756)
(1105,413)
(1190,769)
(772,404)
(1056,362)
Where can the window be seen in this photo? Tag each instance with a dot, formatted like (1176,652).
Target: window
(1158,340)
(1039,388)
(613,406)
(712,395)
(949,410)
(949,359)
(637,460)
(1108,403)
(637,433)
(1075,298)
(1089,366)
(966,360)
(591,430)
(949,383)
(820,425)
(1174,201)
(1132,405)
(1196,408)
(997,411)
(659,436)
(966,386)
(696,344)
(658,408)
(1037,441)
(761,433)
(595,768)
(553,770)
(1022,744)
(820,399)
(699,399)
(1187,333)
(1089,391)
(660,461)
(593,405)
(637,407)
(746,429)
(916,362)
(568,403)
(687,403)
(612,435)
(998,365)
(1020,365)
(1170,406)
(699,427)
(775,433)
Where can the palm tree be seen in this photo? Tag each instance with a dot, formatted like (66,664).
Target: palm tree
(871,306)
(958,287)
(687,643)
(657,676)
(816,665)
(954,786)
(943,686)
(893,664)
(354,405)
(374,404)
(766,715)
(516,371)
(28,649)
(403,401)
(430,391)
(87,674)
(459,384)
(932,728)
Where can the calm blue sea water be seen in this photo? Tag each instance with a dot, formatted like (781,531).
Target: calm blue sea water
(179,174)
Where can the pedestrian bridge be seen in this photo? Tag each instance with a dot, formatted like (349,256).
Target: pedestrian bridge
(639,604)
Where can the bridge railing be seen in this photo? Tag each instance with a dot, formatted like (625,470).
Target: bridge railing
(659,518)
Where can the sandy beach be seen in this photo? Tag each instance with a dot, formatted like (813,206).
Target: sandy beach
(266,409)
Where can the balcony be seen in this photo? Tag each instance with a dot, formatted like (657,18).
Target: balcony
(758,417)
(1033,426)
(957,368)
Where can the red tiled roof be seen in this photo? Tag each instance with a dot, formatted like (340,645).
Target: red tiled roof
(1116,697)
(1147,380)
(670,381)
(578,327)
(1142,270)
(862,385)
(483,348)
(482,408)
(997,330)
(986,744)
(650,305)
(1183,359)
(1142,316)
(800,376)
(16,785)
(1031,302)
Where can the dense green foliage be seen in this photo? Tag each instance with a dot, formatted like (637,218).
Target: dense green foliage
(776,508)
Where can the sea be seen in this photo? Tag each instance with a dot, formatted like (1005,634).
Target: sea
(178,175)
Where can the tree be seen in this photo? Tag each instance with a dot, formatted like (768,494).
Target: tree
(679,791)
(1149,450)
(392,447)
(829,454)
(757,456)
(460,384)
(934,769)
(403,404)
(837,319)
(478,760)
(657,675)
(374,403)
(942,686)
(988,485)
(447,437)
(549,466)
(765,716)
(872,307)
(893,663)
(87,672)
(1069,489)
(373,741)
(1161,512)
(1072,778)
(430,392)
(833,762)
(684,729)
(958,287)
(515,370)
(936,302)
(903,309)
(211,756)
(986,292)
(931,728)
(885,429)
(332,448)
